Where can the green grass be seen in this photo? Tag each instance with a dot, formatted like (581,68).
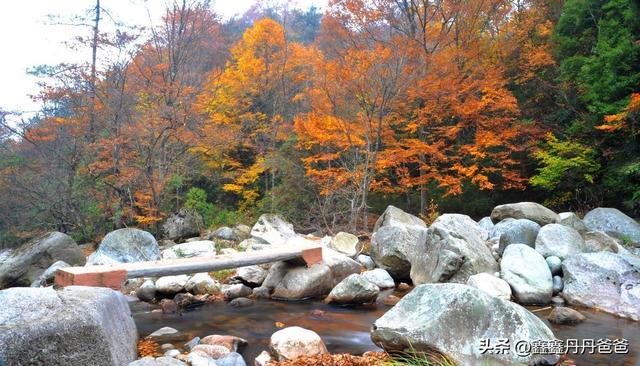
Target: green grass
(413,358)
(222,274)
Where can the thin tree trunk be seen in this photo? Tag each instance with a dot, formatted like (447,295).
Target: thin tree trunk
(94,56)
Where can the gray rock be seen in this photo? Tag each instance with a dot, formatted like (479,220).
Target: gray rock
(164,333)
(496,231)
(555,265)
(146,292)
(521,231)
(185,223)
(231,359)
(261,292)
(345,243)
(202,284)
(224,233)
(231,343)
(252,276)
(295,282)
(398,238)
(242,232)
(171,285)
(524,210)
(4,254)
(353,290)
(598,241)
(557,301)
(28,262)
(563,315)
(492,285)
(572,220)
(272,229)
(201,358)
(558,285)
(486,223)
(452,319)
(559,240)
(251,244)
(366,261)
(263,359)
(125,246)
(293,342)
(241,302)
(456,249)
(380,278)
(73,326)
(47,277)
(199,248)
(527,273)
(231,292)
(614,223)
(160,361)
(605,281)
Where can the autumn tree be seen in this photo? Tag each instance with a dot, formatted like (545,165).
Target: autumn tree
(356,91)
(152,123)
(252,103)
(433,106)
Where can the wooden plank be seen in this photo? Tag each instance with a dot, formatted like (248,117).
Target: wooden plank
(113,275)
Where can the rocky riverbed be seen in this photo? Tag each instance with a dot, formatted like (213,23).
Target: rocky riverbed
(472,283)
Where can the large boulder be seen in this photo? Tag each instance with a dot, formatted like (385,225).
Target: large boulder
(398,238)
(528,274)
(454,319)
(200,248)
(492,285)
(185,223)
(125,246)
(73,326)
(293,282)
(524,210)
(498,229)
(456,249)
(293,342)
(353,290)
(614,223)
(572,220)
(272,229)
(486,223)
(347,244)
(521,231)
(599,241)
(559,240)
(605,281)
(28,262)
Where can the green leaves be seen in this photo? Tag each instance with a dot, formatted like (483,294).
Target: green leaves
(565,166)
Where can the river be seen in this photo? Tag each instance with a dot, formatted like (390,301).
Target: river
(346,330)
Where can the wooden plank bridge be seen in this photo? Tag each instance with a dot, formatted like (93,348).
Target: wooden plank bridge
(115,274)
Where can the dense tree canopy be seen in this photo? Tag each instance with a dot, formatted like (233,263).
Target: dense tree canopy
(326,116)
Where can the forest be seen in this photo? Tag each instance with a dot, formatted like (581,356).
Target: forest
(326,116)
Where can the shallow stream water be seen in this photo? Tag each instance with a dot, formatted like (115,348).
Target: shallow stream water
(346,330)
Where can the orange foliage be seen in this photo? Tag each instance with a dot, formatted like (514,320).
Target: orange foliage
(618,121)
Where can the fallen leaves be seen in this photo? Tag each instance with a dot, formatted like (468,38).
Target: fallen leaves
(148,347)
(368,359)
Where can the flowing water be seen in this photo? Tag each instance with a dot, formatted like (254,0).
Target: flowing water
(346,330)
